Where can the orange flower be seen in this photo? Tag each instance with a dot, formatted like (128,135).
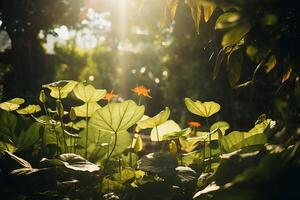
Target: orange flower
(141,90)
(110,96)
(194,124)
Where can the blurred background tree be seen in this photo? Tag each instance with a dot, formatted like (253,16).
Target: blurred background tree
(241,54)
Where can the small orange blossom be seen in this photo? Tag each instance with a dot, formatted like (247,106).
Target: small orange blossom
(110,96)
(194,124)
(141,90)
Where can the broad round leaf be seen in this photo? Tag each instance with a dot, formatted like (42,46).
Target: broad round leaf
(88,93)
(29,137)
(30,109)
(156,120)
(61,89)
(73,162)
(222,125)
(117,117)
(12,104)
(166,128)
(158,162)
(205,109)
(86,110)
(96,138)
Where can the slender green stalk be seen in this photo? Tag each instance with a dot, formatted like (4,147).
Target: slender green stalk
(113,148)
(63,132)
(61,120)
(130,157)
(87,129)
(56,135)
(45,109)
(209,144)
(140,100)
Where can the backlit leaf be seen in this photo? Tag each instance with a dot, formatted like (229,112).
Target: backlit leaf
(286,75)
(166,128)
(235,61)
(88,93)
(235,35)
(156,120)
(116,117)
(227,20)
(12,104)
(205,109)
(222,125)
(195,6)
(61,89)
(271,63)
(86,110)
(169,12)
(30,109)
(137,143)
(208,9)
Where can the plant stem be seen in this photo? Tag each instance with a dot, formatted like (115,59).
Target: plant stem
(140,100)
(87,128)
(209,141)
(61,121)
(63,132)
(56,135)
(45,109)
(113,148)
(130,157)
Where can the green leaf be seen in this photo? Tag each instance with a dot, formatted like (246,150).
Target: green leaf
(169,12)
(177,134)
(218,63)
(20,166)
(188,144)
(30,109)
(205,109)
(208,9)
(12,104)
(117,117)
(222,125)
(76,125)
(156,120)
(86,110)
(8,122)
(161,163)
(203,136)
(96,137)
(88,93)
(61,89)
(227,20)
(195,6)
(236,34)
(236,139)
(166,128)
(73,162)
(235,61)
(28,137)
(271,63)
(186,174)
(124,176)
